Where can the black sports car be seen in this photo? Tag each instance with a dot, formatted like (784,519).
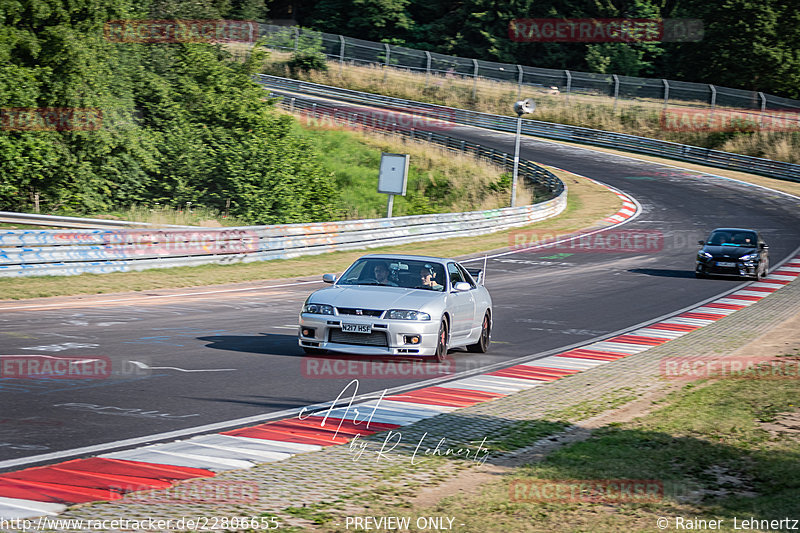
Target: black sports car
(733,252)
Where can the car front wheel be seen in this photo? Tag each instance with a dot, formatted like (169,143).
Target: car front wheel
(441,342)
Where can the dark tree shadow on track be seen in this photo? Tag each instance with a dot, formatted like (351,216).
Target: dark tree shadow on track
(264,343)
(664,273)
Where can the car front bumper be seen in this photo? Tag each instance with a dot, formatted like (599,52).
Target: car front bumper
(387,337)
(740,269)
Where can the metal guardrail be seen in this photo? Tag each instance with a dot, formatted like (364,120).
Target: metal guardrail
(34,219)
(53,252)
(680,152)
(620,88)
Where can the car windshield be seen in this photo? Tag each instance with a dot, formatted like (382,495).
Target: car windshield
(733,238)
(395,273)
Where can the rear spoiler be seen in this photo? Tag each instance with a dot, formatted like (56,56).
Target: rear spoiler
(477,275)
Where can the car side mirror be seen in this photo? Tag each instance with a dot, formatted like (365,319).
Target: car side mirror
(329,278)
(701,243)
(462,286)
(763,246)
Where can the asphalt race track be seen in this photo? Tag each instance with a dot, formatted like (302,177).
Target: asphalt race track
(184,362)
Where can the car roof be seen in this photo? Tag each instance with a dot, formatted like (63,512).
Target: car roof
(427,258)
(734,229)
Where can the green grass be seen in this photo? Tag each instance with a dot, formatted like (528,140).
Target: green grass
(439,180)
(589,408)
(705,444)
(524,434)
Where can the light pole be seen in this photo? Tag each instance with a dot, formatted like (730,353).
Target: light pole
(520,108)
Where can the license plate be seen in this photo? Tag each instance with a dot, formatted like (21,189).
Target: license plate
(725,264)
(357,328)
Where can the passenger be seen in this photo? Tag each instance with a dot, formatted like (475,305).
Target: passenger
(427,275)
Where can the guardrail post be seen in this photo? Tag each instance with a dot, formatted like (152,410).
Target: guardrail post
(427,68)
(314,111)
(475,78)
(616,91)
(291,105)
(666,92)
(386,64)
(519,82)
(763,109)
(713,102)
(341,53)
(569,83)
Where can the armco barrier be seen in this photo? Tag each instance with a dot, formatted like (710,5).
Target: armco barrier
(10,217)
(58,252)
(53,252)
(776,169)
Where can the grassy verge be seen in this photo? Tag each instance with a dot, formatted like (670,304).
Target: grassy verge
(638,117)
(439,180)
(721,451)
(587,204)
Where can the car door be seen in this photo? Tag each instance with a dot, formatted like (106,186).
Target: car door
(460,303)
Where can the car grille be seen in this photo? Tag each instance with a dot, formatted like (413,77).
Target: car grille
(376,338)
(358,312)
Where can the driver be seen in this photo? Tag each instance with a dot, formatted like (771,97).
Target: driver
(381,272)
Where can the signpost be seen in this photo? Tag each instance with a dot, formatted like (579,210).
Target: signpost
(393,177)
(520,108)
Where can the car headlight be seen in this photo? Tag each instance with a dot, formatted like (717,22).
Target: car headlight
(704,255)
(406,314)
(749,257)
(318,309)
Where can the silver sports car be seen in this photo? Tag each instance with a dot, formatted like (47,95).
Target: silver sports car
(401,305)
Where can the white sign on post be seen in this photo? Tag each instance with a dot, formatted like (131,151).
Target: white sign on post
(393,177)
